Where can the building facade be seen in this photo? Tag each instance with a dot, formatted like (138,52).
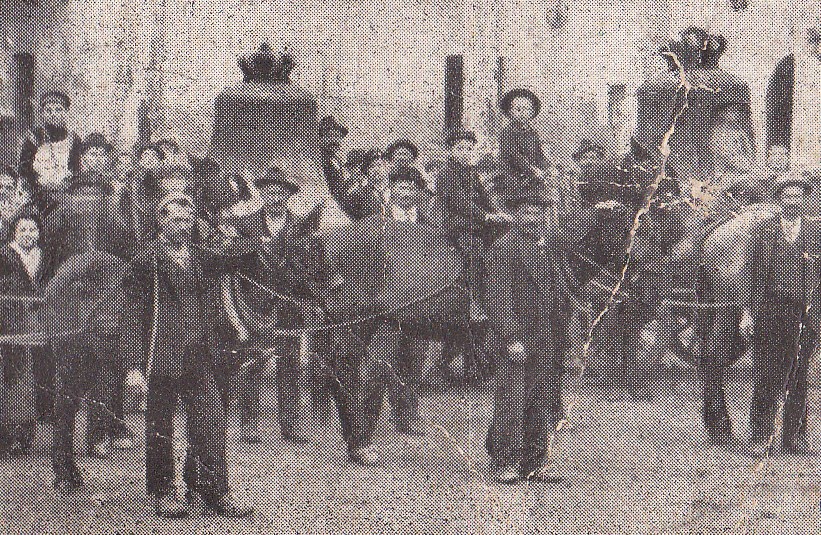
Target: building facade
(134,66)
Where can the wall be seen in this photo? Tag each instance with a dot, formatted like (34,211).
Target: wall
(378,65)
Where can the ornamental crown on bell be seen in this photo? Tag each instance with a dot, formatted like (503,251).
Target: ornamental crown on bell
(263,65)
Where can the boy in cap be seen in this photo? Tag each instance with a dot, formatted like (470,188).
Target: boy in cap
(521,158)
(471,222)
(50,153)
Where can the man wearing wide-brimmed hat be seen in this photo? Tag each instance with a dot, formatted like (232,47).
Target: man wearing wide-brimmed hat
(522,160)
(282,238)
(781,320)
(50,153)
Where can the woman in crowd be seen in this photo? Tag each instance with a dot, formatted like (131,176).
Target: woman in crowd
(27,372)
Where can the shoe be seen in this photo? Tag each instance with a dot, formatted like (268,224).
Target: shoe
(506,474)
(542,474)
(721,435)
(367,456)
(101,449)
(123,443)
(227,505)
(168,505)
(800,447)
(68,485)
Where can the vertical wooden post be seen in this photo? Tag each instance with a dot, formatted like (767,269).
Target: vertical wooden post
(454,92)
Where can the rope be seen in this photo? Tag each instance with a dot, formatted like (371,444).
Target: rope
(152,344)
(36,338)
(358,321)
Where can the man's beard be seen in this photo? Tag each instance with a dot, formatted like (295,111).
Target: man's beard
(181,236)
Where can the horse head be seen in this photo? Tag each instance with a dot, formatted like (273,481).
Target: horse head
(84,299)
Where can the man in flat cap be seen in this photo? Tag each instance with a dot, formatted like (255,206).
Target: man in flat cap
(50,153)
(281,237)
(523,164)
(407,204)
(782,318)
(527,302)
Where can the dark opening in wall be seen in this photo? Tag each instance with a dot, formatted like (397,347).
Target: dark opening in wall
(454,96)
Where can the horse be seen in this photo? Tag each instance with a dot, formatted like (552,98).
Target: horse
(382,278)
(82,316)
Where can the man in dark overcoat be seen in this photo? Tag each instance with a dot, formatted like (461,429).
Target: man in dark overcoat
(783,317)
(281,239)
(169,331)
(529,307)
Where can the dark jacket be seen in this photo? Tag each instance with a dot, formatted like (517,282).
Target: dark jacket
(15,281)
(519,151)
(186,308)
(284,262)
(88,216)
(527,290)
(765,282)
(465,202)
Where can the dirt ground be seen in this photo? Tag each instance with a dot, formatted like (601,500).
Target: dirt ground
(630,468)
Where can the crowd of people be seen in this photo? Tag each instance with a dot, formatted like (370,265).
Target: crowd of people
(68,195)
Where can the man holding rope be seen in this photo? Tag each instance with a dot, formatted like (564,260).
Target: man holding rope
(173,287)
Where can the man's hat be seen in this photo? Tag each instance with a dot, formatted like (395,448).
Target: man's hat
(140,148)
(328,124)
(458,135)
(354,158)
(96,139)
(401,144)
(407,174)
(585,146)
(791,179)
(507,100)
(276,176)
(55,97)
